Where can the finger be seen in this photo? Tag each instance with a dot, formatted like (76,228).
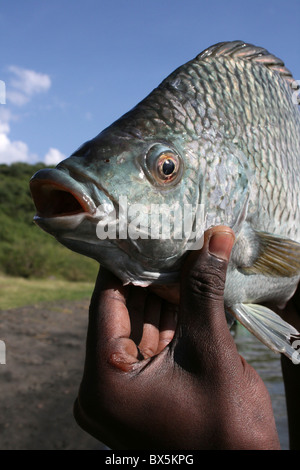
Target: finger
(202,321)
(118,347)
(136,305)
(108,340)
(150,338)
(204,276)
(169,292)
(167,325)
(109,306)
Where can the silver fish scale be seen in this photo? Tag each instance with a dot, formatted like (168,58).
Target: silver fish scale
(269,137)
(266,146)
(214,101)
(230,116)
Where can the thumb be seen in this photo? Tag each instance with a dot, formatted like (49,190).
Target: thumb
(202,324)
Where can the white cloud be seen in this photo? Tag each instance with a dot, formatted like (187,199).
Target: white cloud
(16,151)
(11,151)
(17,98)
(25,84)
(53,157)
(22,87)
(5,117)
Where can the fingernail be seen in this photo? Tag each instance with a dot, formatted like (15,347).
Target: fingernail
(220,245)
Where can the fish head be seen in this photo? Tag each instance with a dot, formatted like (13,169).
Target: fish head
(119,199)
(140,195)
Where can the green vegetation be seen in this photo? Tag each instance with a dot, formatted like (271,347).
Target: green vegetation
(17,291)
(25,250)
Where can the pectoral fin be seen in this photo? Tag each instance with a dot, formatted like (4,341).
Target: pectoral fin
(277,257)
(268,327)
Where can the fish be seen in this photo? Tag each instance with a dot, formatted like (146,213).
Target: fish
(216,143)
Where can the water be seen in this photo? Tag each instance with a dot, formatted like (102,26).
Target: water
(268,366)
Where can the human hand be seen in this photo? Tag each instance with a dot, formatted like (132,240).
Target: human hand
(158,376)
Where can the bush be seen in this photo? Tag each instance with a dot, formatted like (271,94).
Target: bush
(25,250)
(40,256)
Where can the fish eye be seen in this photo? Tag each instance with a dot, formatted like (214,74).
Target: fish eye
(164,164)
(168,166)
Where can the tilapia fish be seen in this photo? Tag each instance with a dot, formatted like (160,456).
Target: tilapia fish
(217,142)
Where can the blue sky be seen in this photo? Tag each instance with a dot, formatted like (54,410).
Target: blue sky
(71,67)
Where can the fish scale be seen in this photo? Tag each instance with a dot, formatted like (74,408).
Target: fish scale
(263,192)
(226,125)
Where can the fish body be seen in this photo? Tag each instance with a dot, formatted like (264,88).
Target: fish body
(219,137)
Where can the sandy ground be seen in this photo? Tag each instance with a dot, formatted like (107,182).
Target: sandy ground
(45,349)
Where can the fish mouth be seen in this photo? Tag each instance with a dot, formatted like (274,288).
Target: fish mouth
(57,195)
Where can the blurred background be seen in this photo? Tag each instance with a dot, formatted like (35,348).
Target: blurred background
(68,69)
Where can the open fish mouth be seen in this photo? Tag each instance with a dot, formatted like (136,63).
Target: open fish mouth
(57,194)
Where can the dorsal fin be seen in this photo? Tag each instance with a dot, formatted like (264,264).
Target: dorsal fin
(244,51)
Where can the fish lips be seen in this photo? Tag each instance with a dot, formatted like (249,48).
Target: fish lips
(62,203)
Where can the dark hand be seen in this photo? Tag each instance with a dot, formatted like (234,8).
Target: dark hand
(191,390)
